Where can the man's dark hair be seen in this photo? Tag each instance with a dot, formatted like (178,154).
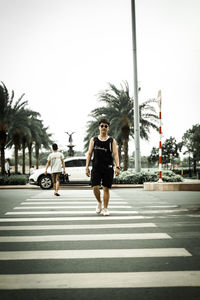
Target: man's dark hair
(55,147)
(104,121)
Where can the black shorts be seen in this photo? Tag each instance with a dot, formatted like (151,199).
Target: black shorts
(104,177)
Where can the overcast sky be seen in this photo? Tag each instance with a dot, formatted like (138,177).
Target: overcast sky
(61,53)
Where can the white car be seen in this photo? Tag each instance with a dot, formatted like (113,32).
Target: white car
(75,173)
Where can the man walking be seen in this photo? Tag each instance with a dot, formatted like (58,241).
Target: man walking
(56,161)
(104,149)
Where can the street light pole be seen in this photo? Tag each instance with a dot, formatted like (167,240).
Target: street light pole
(136,105)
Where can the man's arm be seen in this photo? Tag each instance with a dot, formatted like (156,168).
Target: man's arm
(47,165)
(90,150)
(116,157)
(63,165)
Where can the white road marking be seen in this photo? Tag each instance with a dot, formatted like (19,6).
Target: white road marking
(56,219)
(75,226)
(67,198)
(68,202)
(68,212)
(161,206)
(84,254)
(167,211)
(84,237)
(70,206)
(101,280)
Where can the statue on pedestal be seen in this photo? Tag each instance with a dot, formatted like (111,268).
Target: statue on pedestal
(70,145)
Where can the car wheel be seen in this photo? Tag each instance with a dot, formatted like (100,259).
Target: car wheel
(45,182)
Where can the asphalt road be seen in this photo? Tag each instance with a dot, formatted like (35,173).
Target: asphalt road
(58,248)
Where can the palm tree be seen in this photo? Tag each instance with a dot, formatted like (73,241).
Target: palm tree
(43,139)
(119,110)
(5,107)
(27,134)
(18,130)
(8,113)
(34,125)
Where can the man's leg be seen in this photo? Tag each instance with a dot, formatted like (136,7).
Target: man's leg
(54,182)
(97,193)
(57,183)
(106,196)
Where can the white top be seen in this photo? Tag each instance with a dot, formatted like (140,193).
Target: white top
(7,166)
(55,161)
(31,171)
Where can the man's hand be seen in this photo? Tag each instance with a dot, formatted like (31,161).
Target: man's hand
(117,171)
(87,172)
(45,173)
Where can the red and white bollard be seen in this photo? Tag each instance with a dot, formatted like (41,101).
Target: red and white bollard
(160,135)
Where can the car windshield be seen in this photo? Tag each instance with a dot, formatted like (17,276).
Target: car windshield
(75,163)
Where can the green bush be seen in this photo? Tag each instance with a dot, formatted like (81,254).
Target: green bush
(130,177)
(13,180)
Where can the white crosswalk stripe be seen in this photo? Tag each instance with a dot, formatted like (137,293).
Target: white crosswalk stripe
(69,212)
(101,280)
(69,207)
(122,226)
(67,202)
(80,227)
(86,237)
(56,219)
(105,253)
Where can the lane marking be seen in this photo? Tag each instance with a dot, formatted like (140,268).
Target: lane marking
(68,197)
(101,280)
(68,202)
(103,253)
(84,237)
(75,226)
(56,219)
(163,211)
(161,206)
(68,212)
(70,206)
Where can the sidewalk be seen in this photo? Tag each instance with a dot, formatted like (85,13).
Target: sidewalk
(75,186)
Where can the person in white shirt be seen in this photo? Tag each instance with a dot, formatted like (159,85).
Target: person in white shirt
(7,166)
(56,161)
(31,170)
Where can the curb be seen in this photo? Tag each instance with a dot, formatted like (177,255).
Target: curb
(172,186)
(70,186)
(3,187)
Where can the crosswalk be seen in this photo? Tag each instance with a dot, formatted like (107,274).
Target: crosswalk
(73,248)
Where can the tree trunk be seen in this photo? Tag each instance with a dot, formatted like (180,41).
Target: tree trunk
(30,154)
(3,136)
(195,166)
(2,160)
(37,157)
(125,134)
(23,156)
(120,150)
(125,154)
(16,158)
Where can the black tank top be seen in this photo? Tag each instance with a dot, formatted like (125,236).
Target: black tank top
(102,153)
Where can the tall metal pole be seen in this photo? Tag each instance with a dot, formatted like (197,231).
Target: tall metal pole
(136,105)
(160,135)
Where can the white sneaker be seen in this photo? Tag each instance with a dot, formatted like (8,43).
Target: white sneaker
(99,208)
(106,212)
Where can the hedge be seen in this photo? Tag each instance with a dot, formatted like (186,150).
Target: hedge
(13,180)
(131,177)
